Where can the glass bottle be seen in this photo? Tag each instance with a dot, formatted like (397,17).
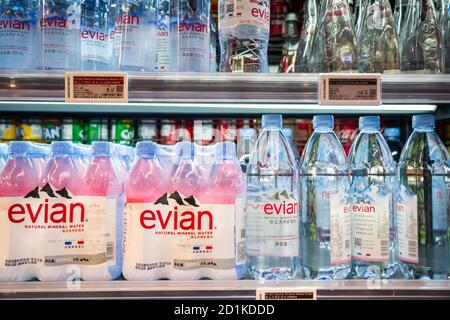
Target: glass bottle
(305,45)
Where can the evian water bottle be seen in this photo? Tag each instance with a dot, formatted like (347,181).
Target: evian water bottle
(272,206)
(162,35)
(326,223)
(244,27)
(190,36)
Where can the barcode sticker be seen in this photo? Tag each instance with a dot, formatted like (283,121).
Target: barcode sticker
(286,294)
(110,251)
(350,89)
(96,87)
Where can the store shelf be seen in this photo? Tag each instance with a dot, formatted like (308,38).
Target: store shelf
(347,289)
(227,88)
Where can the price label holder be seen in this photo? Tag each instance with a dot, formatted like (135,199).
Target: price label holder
(96,87)
(350,89)
(300,293)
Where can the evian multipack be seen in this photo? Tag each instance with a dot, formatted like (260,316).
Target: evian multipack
(184,213)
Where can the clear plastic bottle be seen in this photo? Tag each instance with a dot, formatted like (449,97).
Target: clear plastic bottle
(359,15)
(190,36)
(162,63)
(379,48)
(272,206)
(400,10)
(244,27)
(18,34)
(372,172)
(326,221)
(422,209)
(246,142)
(392,136)
(213,52)
(307,36)
(58,30)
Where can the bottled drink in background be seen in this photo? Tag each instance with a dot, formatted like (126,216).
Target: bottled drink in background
(307,36)
(58,30)
(244,27)
(335,48)
(134,44)
(96,35)
(290,46)
(400,11)
(421,39)
(162,35)
(372,172)
(326,220)
(272,206)
(18,34)
(423,203)
(446,36)
(392,136)
(379,49)
(213,44)
(359,15)
(190,36)
(289,134)
(441,8)
(246,142)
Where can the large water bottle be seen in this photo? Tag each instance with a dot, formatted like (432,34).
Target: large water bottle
(326,221)
(423,204)
(18,34)
(244,27)
(190,36)
(272,206)
(372,172)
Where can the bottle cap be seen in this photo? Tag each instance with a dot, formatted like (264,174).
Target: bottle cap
(323,122)
(247,133)
(187,150)
(3,148)
(288,133)
(369,123)
(291,17)
(102,148)
(272,121)
(18,148)
(392,132)
(61,148)
(81,150)
(146,149)
(38,150)
(423,121)
(226,150)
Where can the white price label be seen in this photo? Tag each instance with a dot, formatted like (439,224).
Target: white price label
(350,89)
(286,294)
(96,87)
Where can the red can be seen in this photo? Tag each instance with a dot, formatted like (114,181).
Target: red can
(346,130)
(278,10)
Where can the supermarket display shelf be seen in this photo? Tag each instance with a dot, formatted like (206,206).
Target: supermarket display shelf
(226,88)
(207,289)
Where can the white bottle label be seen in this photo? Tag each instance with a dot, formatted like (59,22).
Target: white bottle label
(370,240)
(57,231)
(163,39)
(96,49)
(407,225)
(340,229)
(234,13)
(179,237)
(441,203)
(272,228)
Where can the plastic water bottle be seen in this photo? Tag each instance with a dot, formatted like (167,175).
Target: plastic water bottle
(134,42)
(18,34)
(39,155)
(247,140)
(96,35)
(104,184)
(190,36)
(213,44)
(162,35)
(326,221)
(272,206)
(289,134)
(392,136)
(423,203)
(244,27)
(3,155)
(58,32)
(372,172)
(81,158)
(16,179)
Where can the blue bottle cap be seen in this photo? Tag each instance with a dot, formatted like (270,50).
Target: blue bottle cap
(226,150)
(369,123)
(272,121)
(187,150)
(102,148)
(39,150)
(61,148)
(323,122)
(288,133)
(146,149)
(392,132)
(18,148)
(3,148)
(424,122)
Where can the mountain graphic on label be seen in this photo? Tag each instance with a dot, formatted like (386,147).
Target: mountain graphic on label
(48,192)
(165,199)
(280,196)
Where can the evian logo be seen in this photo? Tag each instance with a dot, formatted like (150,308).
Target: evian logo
(56,22)
(181,214)
(14,24)
(193,26)
(363,208)
(94,35)
(282,204)
(56,207)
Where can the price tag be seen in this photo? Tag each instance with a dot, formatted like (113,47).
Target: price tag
(286,294)
(96,87)
(350,89)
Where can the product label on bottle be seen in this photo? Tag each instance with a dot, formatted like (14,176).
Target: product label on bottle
(407,226)
(52,228)
(17,38)
(234,13)
(240,231)
(162,37)
(272,228)
(340,229)
(188,236)
(370,241)
(96,48)
(441,202)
